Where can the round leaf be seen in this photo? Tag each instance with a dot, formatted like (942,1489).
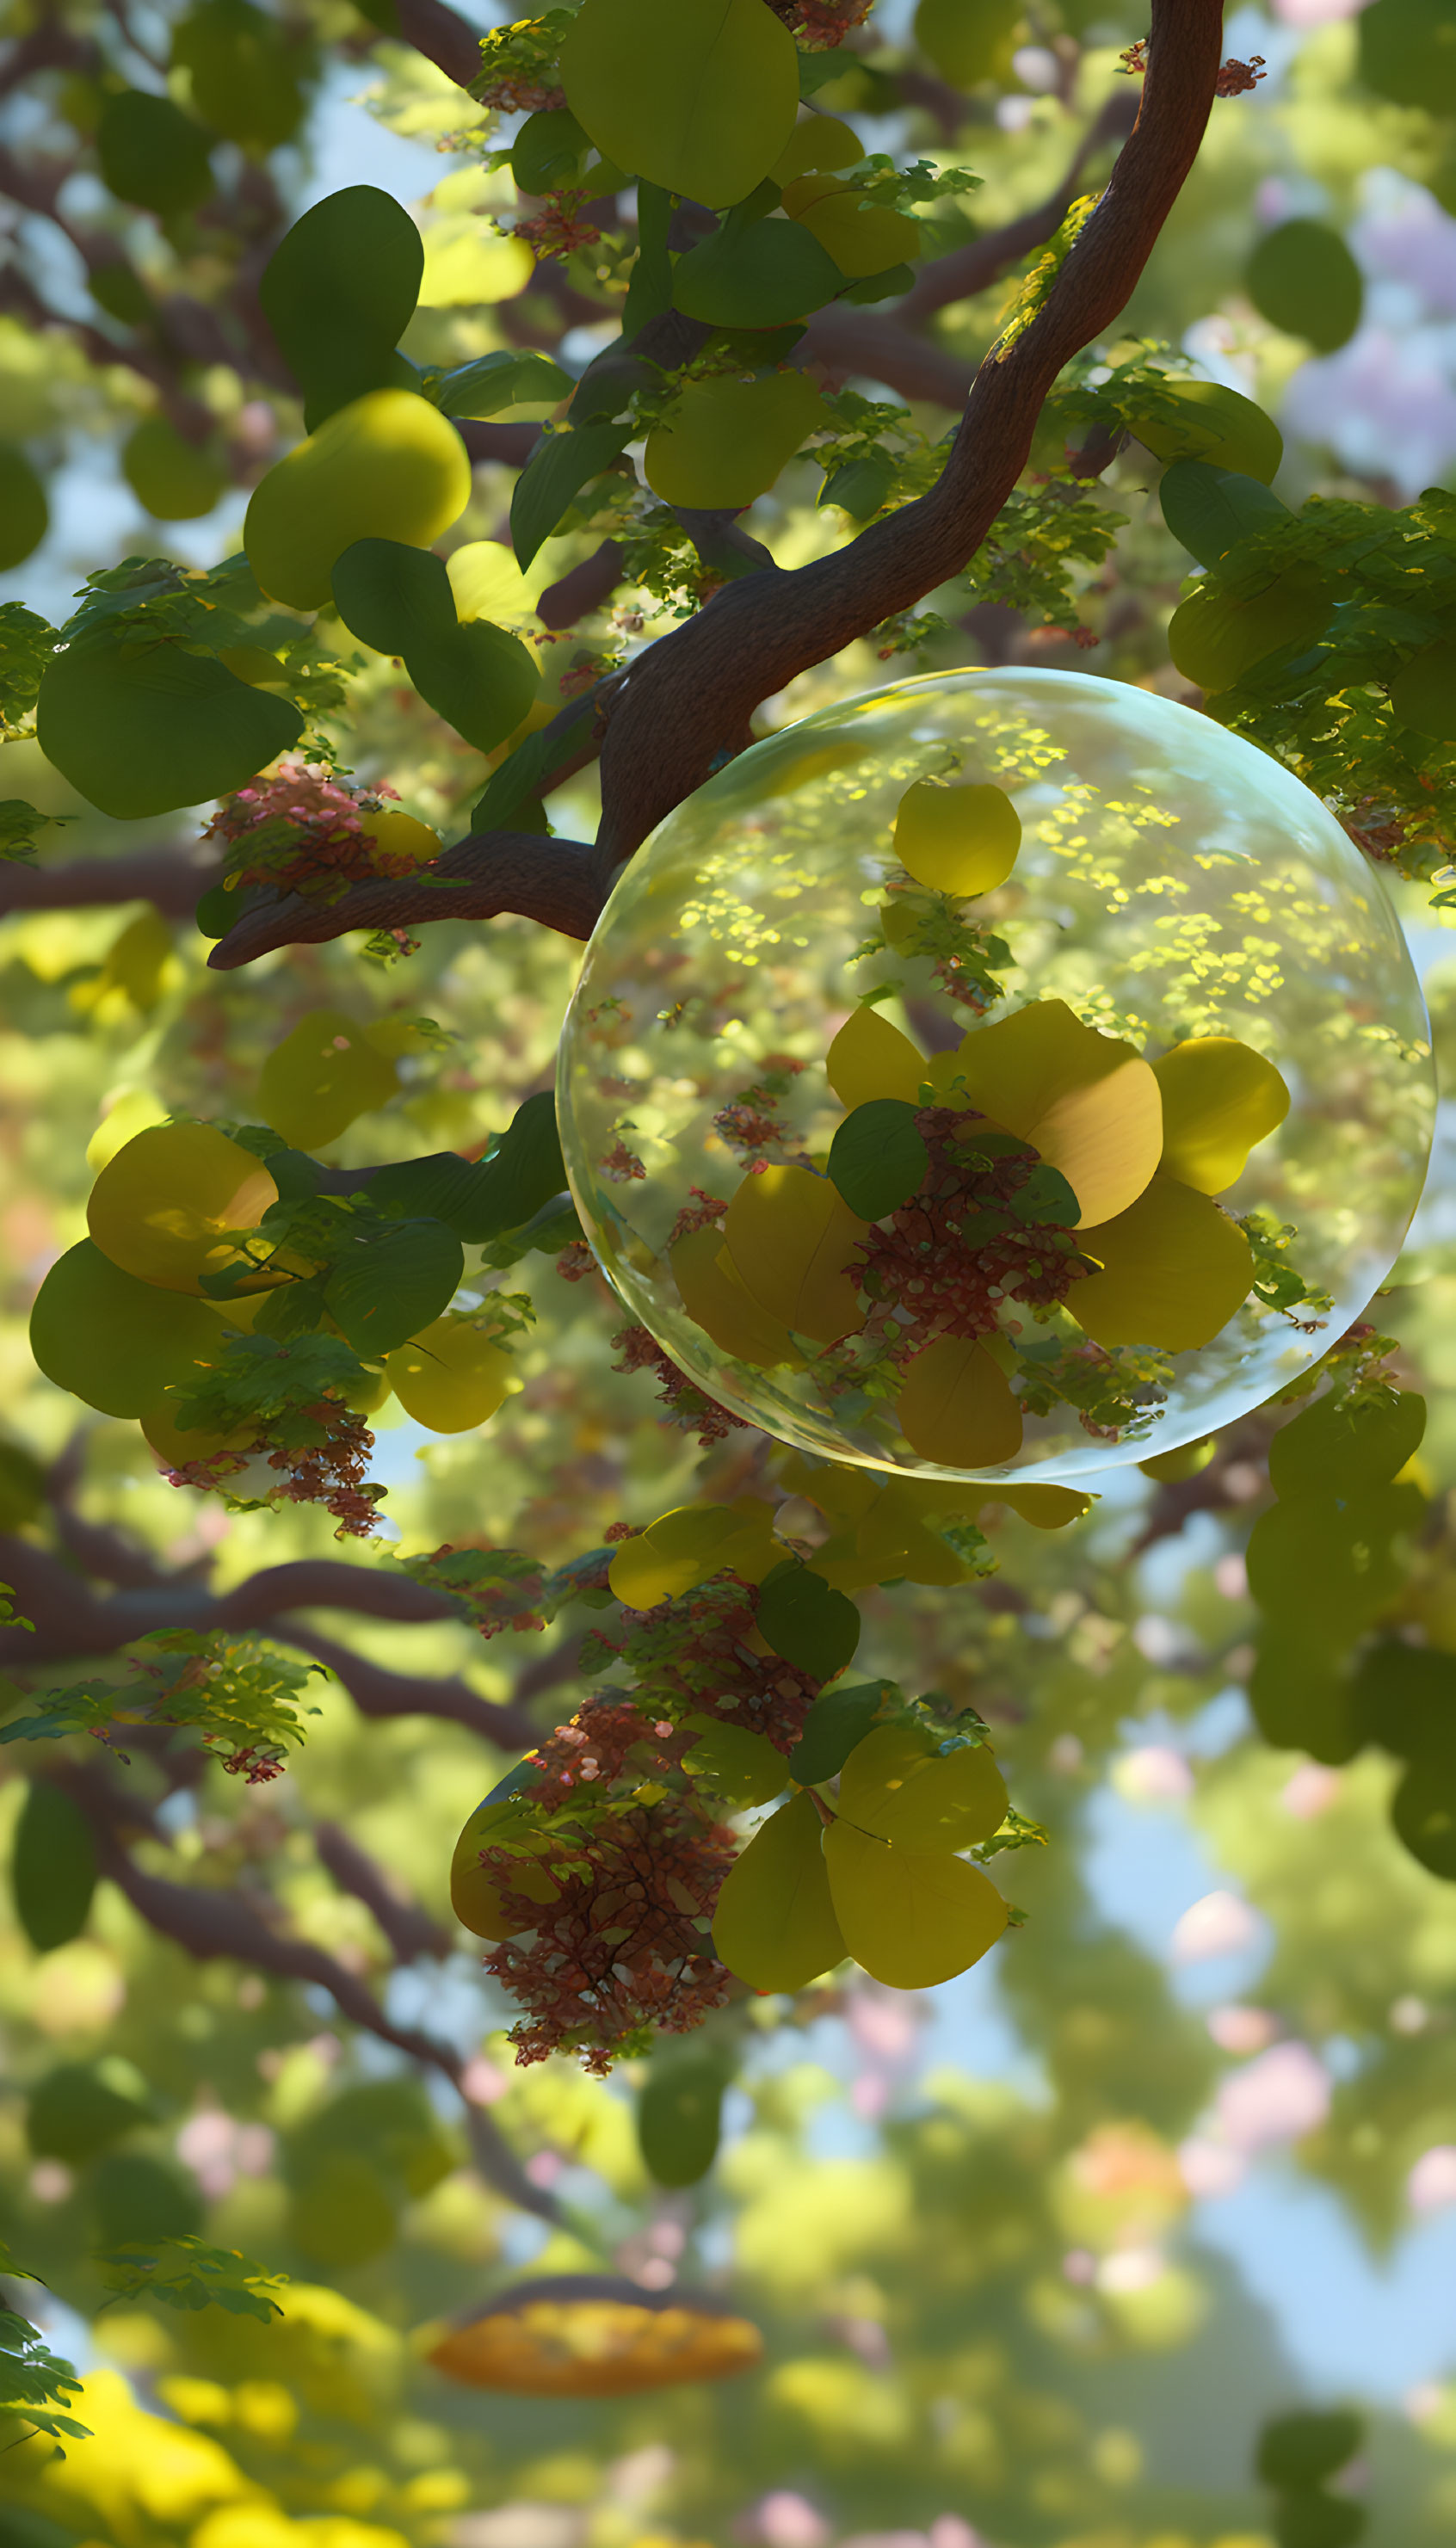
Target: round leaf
(152,154)
(960,840)
(1172,1270)
(1303,278)
(908,1920)
(113,1340)
(698,96)
(393,1283)
(805,1622)
(901,1785)
(141,729)
(338,293)
(679,2116)
(52,1867)
(877,1158)
(775,1924)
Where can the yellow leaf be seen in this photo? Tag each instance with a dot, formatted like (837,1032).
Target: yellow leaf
(774,1925)
(685,1546)
(1105,1139)
(324,1074)
(1219,1098)
(869,1057)
(821,142)
(956,840)
(467,266)
(909,1920)
(715,1300)
(897,1785)
(957,1406)
(1016,1070)
(159,1207)
(862,238)
(451,1377)
(792,1245)
(699,96)
(473,1897)
(1174,1269)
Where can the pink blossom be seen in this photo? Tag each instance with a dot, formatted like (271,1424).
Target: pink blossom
(1279,2097)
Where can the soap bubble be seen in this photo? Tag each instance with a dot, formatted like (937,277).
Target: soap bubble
(1002,1073)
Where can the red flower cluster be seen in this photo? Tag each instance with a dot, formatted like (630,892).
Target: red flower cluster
(627,1944)
(956,1251)
(818,25)
(1237,78)
(690,1406)
(331,1472)
(558,231)
(301,831)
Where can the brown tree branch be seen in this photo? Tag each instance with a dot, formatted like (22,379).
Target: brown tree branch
(883,345)
(211,1924)
(699,683)
(691,696)
(411,1931)
(73,1623)
(171,880)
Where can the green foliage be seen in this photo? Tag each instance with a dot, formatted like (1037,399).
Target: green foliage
(238,1693)
(338,293)
(52,1867)
(34,2383)
(806,1622)
(399,600)
(152,154)
(680,2114)
(188,2274)
(1303,278)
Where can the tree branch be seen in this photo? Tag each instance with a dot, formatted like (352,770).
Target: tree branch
(699,683)
(691,697)
(73,1623)
(411,1931)
(210,1925)
(172,880)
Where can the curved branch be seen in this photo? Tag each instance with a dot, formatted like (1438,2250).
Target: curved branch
(171,880)
(211,1924)
(699,683)
(528,873)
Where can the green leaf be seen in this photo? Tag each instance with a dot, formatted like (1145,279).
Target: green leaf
(525,773)
(1303,2448)
(1338,1446)
(561,464)
(775,1924)
(338,292)
(113,1340)
(1326,1565)
(395,1282)
(144,729)
(152,154)
(1303,278)
(1211,510)
(82,2107)
(759,277)
(861,487)
(549,151)
(1407,53)
(26,644)
(398,599)
(36,2383)
(1301,1695)
(52,1867)
(1405,1698)
(805,1622)
(500,380)
(902,1785)
(735,1762)
(392,597)
(247,70)
(835,1722)
(650,291)
(1423,1813)
(699,96)
(679,2115)
(908,1919)
(877,1160)
(887,285)
(185,2273)
(482,1200)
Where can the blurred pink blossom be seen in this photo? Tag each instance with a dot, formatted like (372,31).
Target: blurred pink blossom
(1431,2183)
(219,2150)
(1242,2030)
(1311,1791)
(1209,2168)
(1218,1925)
(784,2520)
(1153,1774)
(1281,2095)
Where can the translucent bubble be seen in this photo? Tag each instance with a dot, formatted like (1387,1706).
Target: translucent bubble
(1004,1073)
